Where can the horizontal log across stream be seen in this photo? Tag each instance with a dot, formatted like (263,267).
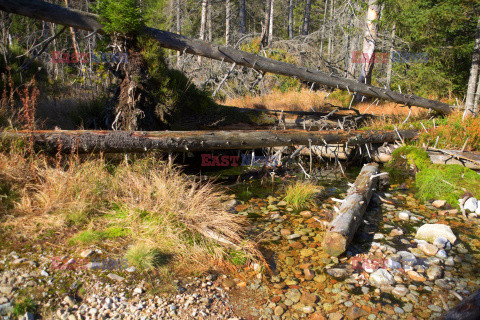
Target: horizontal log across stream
(85,141)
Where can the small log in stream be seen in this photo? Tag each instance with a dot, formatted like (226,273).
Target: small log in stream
(350,216)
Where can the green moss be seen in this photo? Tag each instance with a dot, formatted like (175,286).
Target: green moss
(405,162)
(446,182)
(92,236)
(23,306)
(238,258)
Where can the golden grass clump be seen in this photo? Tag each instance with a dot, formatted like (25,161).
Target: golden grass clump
(165,215)
(301,194)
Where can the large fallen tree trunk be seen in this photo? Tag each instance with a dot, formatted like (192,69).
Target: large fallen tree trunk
(350,216)
(468,309)
(87,21)
(180,141)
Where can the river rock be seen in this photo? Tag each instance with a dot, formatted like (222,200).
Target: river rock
(400,291)
(355,312)
(428,249)
(408,258)
(381,277)
(471,205)
(278,311)
(404,215)
(439,203)
(434,272)
(415,276)
(294,295)
(430,232)
(442,254)
(337,272)
(442,243)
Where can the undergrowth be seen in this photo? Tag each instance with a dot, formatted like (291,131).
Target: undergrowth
(169,219)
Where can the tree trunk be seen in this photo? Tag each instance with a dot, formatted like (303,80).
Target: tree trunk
(270,24)
(477,98)
(350,216)
(472,81)
(179,17)
(330,33)
(306,17)
(209,22)
(241,17)
(87,21)
(266,24)
(322,36)
(228,9)
(369,41)
(290,20)
(203,21)
(82,141)
(76,48)
(390,57)
(468,309)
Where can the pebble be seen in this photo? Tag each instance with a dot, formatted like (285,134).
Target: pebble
(381,277)
(442,243)
(430,232)
(404,215)
(442,254)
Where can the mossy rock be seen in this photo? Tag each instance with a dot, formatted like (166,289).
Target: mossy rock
(406,162)
(446,182)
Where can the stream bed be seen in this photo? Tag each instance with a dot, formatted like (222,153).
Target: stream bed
(386,274)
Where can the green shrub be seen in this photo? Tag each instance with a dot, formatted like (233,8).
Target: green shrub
(406,161)
(446,182)
(120,16)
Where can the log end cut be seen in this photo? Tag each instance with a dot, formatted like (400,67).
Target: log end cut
(334,243)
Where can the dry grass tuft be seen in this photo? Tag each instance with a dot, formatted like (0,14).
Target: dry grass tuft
(170,219)
(301,194)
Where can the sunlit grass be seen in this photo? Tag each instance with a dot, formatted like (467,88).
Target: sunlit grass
(300,194)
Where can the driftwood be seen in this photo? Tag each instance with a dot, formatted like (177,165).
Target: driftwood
(84,141)
(468,309)
(53,13)
(350,215)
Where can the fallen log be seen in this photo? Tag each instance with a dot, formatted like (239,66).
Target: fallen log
(82,20)
(468,309)
(84,141)
(350,215)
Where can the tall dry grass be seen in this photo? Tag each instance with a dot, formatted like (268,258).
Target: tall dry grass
(157,209)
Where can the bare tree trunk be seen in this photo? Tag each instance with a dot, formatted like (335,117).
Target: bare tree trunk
(266,24)
(390,57)
(472,81)
(369,41)
(203,24)
(477,98)
(270,24)
(330,33)
(352,66)
(76,48)
(241,16)
(290,20)
(323,27)
(228,19)
(306,18)
(179,27)
(209,22)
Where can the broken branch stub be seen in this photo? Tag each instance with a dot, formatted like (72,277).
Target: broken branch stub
(350,215)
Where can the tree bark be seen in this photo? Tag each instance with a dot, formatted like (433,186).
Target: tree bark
(350,216)
(472,81)
(477,98)
(468,309)
(290,19)
(87,21)
(228,18)
(203,21)
(241,17)
(266,24)
(82,141)
(369,41)
(306,17)
(390,57)
(270,24)
(330,33)
(322,36)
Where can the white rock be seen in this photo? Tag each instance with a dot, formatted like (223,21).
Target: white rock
(439,203)
(404,215)
(392,264)
(478,210)
(471,205)
(430,232)
(381,277)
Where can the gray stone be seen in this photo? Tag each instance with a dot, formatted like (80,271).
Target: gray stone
(435,308)
(381,277)
(337,272)
(115,277)
(430,232)
(131,269)
(6,308)
(442,254)
(434,272)
(293,236)
(400,291)
(398,310)
(442,243)
(293,294)
(408,258)
(450,262)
